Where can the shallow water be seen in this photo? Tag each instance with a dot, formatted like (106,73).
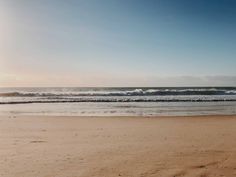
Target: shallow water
(121,109)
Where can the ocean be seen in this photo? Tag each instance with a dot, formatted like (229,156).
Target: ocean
(119,101)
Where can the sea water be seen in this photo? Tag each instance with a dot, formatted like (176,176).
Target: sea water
(153,101)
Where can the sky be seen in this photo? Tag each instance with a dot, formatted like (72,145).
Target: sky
(117,43)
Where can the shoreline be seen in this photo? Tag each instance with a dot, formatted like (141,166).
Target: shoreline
(134,116)
(130,146)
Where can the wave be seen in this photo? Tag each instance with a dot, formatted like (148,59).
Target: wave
(72,95)
(121,99)
(113,101)
(134,92)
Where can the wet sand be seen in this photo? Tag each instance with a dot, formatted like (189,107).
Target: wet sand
(43,146)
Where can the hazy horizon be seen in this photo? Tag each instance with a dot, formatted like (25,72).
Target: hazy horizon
(117,43)
(184,81)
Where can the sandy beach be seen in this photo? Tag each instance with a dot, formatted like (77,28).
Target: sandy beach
(43,146)
(118,88)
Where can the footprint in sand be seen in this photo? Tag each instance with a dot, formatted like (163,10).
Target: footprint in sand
(206,165)
(37,141)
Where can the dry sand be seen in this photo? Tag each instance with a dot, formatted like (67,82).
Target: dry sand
(118,146)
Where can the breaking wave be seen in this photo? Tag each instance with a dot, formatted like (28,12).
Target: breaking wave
(72,95)
(134,92)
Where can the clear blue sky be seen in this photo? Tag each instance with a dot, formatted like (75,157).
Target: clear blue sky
(117,42)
